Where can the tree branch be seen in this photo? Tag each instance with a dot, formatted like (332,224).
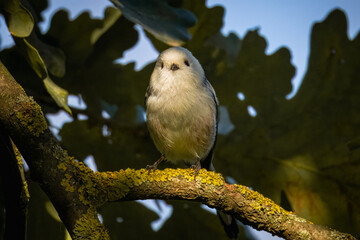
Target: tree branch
(76,191)
(22,119)
(16,194)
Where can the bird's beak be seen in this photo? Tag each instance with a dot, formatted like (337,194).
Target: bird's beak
(174,67)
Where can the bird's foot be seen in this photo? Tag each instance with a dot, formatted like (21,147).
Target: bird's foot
(197,167)
(155,165)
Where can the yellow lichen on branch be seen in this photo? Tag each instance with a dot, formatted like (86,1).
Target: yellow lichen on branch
(140,176)
(31,117)
(89,227)
(261,203)
(96,188)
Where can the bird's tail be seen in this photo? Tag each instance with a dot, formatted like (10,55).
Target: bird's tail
(229,222)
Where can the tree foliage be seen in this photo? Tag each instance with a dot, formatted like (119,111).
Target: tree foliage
(304,153)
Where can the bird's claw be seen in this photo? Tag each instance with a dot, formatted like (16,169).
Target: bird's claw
(154,166)
(151,168)
(196,167)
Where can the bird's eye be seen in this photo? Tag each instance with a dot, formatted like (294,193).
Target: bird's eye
(187,63)
(162,65)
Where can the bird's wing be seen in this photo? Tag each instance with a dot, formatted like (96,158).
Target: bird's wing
(206,162)
(147,94)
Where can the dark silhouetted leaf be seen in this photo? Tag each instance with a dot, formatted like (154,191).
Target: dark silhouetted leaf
(166,23)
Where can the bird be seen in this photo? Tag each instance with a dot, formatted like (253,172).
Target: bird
(182,116)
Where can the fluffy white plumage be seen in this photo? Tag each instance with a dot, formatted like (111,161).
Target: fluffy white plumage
(181,113)
(181,107)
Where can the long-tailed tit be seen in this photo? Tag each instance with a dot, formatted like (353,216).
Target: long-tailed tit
(181,113)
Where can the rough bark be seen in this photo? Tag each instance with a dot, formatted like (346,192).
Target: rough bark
(22,119)
(76,191)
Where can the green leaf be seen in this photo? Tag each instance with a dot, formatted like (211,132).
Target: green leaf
(19,20)
(59,94)
(41,224)
(34,59)
(166,23)
(54,58)
(21,23)
(32,56)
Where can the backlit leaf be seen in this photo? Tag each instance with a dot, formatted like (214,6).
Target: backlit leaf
(59,94)
(19,20)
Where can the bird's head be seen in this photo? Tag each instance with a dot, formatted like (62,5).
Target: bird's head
(178,63)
